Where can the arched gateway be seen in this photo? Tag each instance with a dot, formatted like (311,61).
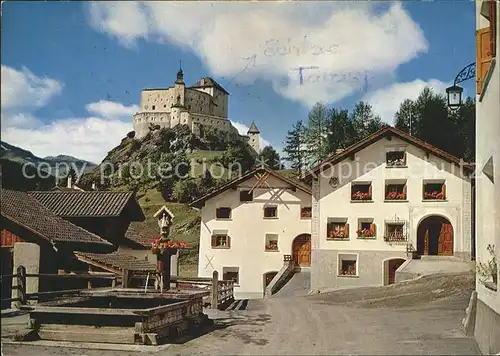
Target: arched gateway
(435,236)
(301,250)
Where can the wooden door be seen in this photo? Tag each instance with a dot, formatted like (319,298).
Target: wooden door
(393,266)
(445,243)
(302,250)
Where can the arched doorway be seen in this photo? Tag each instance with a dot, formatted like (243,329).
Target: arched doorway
(390,267)
(435,236)
(301,250)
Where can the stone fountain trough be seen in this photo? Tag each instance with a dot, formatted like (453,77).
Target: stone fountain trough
(116,315)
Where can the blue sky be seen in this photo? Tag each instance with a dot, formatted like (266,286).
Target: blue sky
(72,72)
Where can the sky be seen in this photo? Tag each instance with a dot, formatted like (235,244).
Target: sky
(72,72)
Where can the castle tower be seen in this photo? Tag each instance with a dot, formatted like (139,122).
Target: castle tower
(254,135)
(179,88)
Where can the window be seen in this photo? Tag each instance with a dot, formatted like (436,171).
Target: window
(434,191)
(271,242)
(223,213)
(395,190)
(306,212)
(366,228)
(220,239)
(231,274)
(153,107)
(337,229)
(395,159)
(270,212)
(395,232)
(361,191)
(347,265)
(246,195)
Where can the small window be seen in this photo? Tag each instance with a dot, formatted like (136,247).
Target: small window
(337,229)
(366,228)
(361,191)
(271,242)
(165,105)
(221,240)
(306,212)
(395,191)
(223,213)
(271,212)
(348,265)
(231,274)
(246,195)
(395,159)
(434,191)
(153,107)
(395,232)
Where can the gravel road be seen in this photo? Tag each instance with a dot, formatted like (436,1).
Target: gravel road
(427,322)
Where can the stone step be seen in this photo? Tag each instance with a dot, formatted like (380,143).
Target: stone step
(440,258)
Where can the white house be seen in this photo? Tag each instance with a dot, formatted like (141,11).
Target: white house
(487,326)
(249,224)
(379,201)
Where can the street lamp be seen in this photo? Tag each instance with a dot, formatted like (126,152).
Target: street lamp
(454,92)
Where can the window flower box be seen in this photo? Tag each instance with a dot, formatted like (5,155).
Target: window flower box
(361,196)
(395,196)
(366,233)
(435,195)
(337,231)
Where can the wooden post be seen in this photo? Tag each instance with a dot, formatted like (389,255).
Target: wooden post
(89,282)
(215,285)
(125,278)
(21,284)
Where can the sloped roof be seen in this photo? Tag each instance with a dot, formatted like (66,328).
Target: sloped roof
(207,82)
(247,176)
(116,260)
(27,212)
(253,129)
(141,233)
(88,203)
(385,132)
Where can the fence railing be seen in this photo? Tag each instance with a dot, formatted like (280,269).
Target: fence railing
(222,292)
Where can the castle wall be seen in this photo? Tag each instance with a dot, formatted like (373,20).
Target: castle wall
(153,100)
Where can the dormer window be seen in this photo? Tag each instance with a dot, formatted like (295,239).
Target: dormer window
(395,159)
(246,195)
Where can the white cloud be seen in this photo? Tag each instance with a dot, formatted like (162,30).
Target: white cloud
(243,130)
(338,38)
(24,90)
(87,138)
(112,110)
(386,101)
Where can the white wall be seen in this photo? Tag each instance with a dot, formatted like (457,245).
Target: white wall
(337,202)
(248,229)
(488,145)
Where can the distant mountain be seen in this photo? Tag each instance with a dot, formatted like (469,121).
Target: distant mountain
(21,156)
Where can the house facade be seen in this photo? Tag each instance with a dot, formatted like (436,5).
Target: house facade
(380,201)
(249,225)
(487,318)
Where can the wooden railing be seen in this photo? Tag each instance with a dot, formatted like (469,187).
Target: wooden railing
(23,296)
(222,292)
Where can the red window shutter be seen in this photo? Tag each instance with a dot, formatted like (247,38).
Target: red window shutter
(214,241)
(493,27)
(374,228)
(483,56)
(443,190)
(346,230)
(370,191)
(224,276)
(405,190)
(228,241)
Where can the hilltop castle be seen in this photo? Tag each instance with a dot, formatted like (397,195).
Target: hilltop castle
(201,106)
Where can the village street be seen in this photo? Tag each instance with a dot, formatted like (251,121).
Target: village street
(421,317)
